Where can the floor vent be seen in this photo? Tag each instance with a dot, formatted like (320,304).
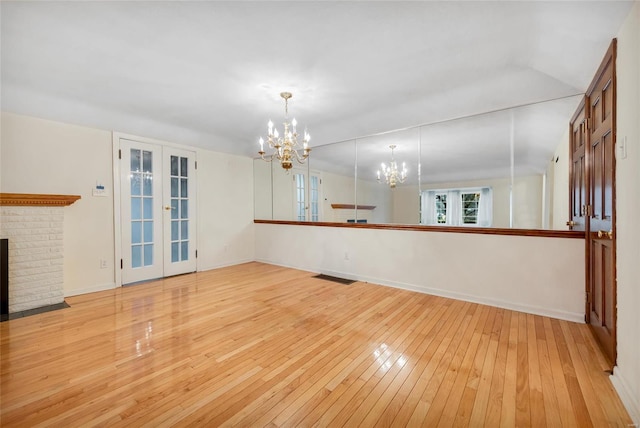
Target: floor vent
(335,279)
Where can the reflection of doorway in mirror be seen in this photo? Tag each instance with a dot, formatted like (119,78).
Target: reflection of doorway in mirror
(307,191)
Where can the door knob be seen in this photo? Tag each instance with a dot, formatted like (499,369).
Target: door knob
(603,233)
(571,223)
(167,208)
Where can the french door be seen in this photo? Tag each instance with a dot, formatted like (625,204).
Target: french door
(307,190)
(157,211)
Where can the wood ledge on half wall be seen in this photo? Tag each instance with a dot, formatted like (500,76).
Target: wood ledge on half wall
(37,199)
(446,229)
(352,207)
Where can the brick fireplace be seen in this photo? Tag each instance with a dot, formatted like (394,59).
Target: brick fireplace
(34,227)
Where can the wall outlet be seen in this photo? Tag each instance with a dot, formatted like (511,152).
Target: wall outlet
(103,264)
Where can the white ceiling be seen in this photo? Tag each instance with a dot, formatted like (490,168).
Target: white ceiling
(208,74)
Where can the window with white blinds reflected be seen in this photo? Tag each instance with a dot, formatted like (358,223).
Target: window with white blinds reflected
(179,176)
(141,175)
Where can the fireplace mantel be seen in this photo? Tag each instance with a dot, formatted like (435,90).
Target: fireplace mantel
(36,199)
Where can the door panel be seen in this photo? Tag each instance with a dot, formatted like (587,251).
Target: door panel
(141,208)
(601,234)
(179,212)
(578,170)
(307,193)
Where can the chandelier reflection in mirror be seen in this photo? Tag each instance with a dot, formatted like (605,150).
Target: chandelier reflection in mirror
(392,175)
(286,147)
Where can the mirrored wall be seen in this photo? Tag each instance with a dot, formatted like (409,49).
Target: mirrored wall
(504,169)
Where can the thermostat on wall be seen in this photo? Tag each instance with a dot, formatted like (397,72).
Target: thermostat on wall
(99,190)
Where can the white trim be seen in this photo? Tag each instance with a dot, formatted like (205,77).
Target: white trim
(534,310)
(124,136)
(87,290)
(631,403)
(117,226)
(223,265)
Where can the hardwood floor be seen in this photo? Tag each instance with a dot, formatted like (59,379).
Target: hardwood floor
(260,345)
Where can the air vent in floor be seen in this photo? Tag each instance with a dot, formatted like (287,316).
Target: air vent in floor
(335,279)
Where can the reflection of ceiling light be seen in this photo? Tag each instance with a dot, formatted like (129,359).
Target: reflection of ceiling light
(391,174)
(286,147)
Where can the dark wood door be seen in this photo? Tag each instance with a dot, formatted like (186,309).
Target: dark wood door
(600,227)
(578,170)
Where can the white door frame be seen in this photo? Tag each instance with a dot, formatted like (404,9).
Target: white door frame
(117,222)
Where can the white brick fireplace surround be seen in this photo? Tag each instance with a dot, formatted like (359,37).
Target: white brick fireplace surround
(34,226)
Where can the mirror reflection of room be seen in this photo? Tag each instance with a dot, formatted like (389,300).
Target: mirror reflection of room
(501,169)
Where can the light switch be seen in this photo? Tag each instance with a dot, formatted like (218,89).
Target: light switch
(622,148)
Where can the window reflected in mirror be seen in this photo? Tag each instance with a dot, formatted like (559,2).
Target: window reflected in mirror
(503,169)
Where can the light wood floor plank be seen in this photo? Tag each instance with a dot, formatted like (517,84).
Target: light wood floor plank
(262,345)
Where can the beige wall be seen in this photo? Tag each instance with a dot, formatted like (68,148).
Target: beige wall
(42,156)
(263,205)
(626,376)
(406,205)
(527,202)
(379,195)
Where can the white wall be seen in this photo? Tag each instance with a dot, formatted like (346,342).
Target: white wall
(42,156)
(263,203)
(626,376)
(225,209)
(502,271)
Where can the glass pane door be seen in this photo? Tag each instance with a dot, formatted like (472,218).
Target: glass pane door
(180,257)
(141,211)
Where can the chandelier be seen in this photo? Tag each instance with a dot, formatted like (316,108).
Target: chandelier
(286,147)
(391,174)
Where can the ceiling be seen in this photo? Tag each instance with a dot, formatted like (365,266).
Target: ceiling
(209,74)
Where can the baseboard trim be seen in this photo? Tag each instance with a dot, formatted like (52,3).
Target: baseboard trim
(534,310)
(223,265)
(87,290)
(630,402)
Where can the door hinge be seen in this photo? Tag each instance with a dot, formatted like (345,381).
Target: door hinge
(121,264)
(119,153)
(196,164)
(196,254)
